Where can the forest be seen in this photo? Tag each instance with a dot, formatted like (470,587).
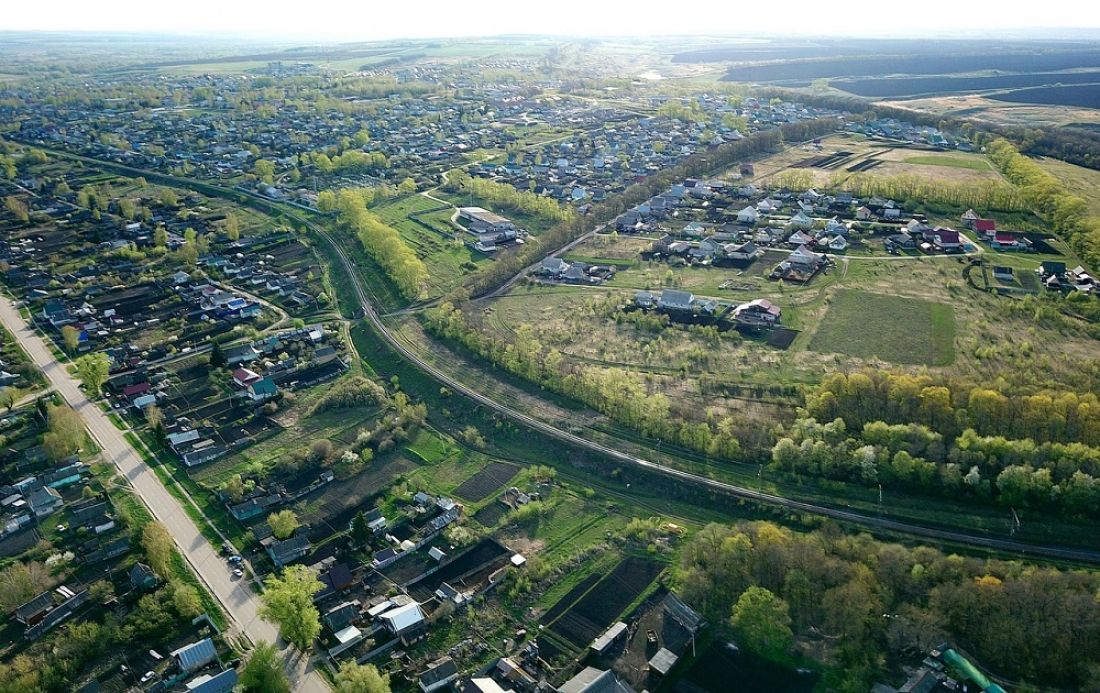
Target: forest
(859,604)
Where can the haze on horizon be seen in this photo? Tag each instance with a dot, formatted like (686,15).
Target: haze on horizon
(344,20)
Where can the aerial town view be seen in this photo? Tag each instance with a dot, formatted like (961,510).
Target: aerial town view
(508,348)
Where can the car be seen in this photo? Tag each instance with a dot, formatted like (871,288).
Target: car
(238,573)
(149,676)
(235,560)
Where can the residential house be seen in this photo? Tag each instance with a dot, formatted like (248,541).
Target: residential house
(799,238)
(404,621)
(196,655)
(283,552)
(969,217)
(43,501)
(676,300)
(592,680)
(142,577)
(801,221)
(553,267)
(438,676)
(757,312)
(224,682)
(946,240)
(262,390)
(864,213)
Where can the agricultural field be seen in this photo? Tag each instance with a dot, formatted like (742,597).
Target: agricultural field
(892,328)
(895,87)
(842,155)
(1000,112)
(486,481)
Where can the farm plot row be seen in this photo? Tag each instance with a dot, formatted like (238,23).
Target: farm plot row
(597,609)
(892,87)
(1084,95)
(489,479)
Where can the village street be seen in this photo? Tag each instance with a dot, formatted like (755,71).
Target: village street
(241,603)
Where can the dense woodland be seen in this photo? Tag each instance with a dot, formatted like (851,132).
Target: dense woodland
(863,602)
(973,443)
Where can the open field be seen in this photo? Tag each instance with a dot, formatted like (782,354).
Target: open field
(1000,112)
(1082,181)
(895,329)
(435,240)
(893,87)
(841,155)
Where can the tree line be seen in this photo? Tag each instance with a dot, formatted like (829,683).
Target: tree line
(700,164)
(611,391)
(1068,213)
(504,195)
(382,243)
(1012,473)
(865,606)
(949,407)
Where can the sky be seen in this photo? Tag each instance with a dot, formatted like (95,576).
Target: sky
(365,20)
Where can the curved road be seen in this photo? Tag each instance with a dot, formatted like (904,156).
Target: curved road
(869,521)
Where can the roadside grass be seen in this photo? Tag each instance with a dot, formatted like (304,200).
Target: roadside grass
(893,328)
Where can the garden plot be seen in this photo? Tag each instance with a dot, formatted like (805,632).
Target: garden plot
(602,604)
(484,483)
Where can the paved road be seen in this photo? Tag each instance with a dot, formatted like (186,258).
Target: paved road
(859,519)
(239,601)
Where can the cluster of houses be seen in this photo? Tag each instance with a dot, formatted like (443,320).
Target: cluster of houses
(555,269)
(684,306)
(897,130)
(601,162)
(1056,277)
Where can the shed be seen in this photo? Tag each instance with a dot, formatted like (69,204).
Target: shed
(662,662)
(604,642)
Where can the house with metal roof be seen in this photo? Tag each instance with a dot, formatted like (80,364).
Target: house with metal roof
(403,619)
(224,682)
(196,655)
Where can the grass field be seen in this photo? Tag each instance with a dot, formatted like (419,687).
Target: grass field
(976,164)
(447,259)
(892,328)
(1080,180)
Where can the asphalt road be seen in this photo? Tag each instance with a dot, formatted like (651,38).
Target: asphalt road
(239,601)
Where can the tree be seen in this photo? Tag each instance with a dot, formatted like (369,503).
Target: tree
(8,398)
(360,678)
(160,237)
(232,227)
(763,620)
(64,433)
(71,336)
(158,546)
(154,416)
(217,356)
(17,207)
(283,523)
(360,529)
(20,582)
(93,371)
(265,170)
(185,599)
(288,601)
(407,186)
(264,671)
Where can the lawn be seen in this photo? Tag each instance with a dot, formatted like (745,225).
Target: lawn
(892,328)
(976,164)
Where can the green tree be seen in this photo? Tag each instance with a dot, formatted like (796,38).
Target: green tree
(158,546)
(360,678)
(17,207)
(283,523)
(264,671)
(407,186)
(265,170)
(8,397)
(360,530)
(64,433)
(185,599)
(763,621)
(160,237)
(288,601)
(93,371)
(232,227)
(217,356)
(71,337)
